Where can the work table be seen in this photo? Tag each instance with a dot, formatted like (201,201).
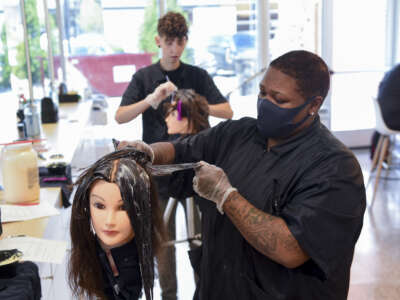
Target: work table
(60,138)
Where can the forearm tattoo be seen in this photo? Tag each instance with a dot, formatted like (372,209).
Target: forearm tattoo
(267,233)
(164,153)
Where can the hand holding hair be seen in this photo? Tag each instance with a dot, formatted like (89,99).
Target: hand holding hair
(211,182)
(160,93)
(138,145)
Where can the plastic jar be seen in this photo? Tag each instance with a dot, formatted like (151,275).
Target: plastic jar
(20,173)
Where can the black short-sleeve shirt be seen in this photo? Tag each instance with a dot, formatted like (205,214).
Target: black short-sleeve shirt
(312,181)
(389,98)
(145,81)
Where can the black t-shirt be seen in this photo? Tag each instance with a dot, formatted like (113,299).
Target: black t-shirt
(389,98)
(312,181)
(145,81)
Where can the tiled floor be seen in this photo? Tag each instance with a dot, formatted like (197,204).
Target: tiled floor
(375,273)
(376,267)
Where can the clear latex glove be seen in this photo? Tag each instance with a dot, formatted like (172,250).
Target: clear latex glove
(211,182)
(160,93)
(139,145)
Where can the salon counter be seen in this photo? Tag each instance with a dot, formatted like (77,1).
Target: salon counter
(63,137)
(60,138)
(34,227)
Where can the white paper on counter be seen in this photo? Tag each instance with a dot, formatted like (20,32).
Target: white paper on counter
(35,249)
(13,213)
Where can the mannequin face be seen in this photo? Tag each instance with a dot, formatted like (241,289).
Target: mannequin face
(176,126)
(108,215)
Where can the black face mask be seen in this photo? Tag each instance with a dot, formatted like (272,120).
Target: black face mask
(276,122)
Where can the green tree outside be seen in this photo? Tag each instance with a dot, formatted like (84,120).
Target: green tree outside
(5,69)
(36,53)
(149,29)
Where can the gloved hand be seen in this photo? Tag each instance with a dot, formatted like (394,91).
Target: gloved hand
(160,93)
(211,182)
(139,145)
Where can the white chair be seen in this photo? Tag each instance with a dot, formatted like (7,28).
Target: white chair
(381,149)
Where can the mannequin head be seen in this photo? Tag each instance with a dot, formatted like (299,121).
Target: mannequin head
(187,113)
(115,201)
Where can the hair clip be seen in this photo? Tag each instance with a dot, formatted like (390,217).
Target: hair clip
(179,109)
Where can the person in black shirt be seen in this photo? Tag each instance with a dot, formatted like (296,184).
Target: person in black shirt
(389,98)
(153,85)
(287,198)
(389,102)
(116,229)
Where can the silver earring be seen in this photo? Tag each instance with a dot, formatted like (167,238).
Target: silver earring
(92,228)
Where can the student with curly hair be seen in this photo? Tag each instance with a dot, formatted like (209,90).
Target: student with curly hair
(116,229)
(152,85)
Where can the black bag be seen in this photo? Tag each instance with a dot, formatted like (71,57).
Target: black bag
(23,283)
(59,178)
(49,111)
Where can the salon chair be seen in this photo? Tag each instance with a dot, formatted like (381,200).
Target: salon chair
(384,147)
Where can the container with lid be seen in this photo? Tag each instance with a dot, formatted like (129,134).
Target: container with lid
(32,120)
(20,173)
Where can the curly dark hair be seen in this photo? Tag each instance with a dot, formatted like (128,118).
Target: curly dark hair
(308,69)
(127,169)
(193,106)
(172,25)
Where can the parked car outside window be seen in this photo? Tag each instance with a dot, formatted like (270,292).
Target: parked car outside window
(91,44)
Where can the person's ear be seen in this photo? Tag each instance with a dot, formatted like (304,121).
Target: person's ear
(185,121)
(184,40)
(184,125)
(158,41)
(315,105)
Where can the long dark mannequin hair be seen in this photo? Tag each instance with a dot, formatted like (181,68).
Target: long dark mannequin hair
(127,169)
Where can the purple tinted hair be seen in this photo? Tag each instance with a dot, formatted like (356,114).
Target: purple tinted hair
(179,109)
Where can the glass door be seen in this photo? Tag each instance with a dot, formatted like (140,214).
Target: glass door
(297,25)
(224,41)
(356,34)
(294,25)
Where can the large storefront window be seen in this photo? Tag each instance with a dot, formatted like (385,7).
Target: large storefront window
(359,62)
(103,44)
(105,41)
(222,40)
(295,25)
